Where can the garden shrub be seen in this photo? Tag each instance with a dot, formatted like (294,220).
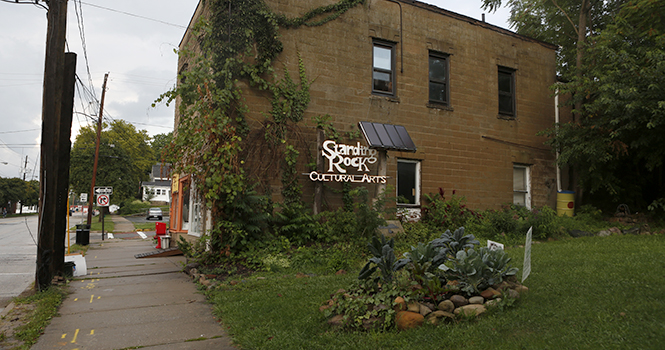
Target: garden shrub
(452,213)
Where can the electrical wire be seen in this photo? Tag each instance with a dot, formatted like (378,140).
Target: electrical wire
(134,15)
(81,27)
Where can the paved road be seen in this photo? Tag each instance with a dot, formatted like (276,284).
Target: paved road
(18,255)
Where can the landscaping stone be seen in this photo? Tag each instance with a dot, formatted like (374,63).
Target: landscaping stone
(521,289)
(459,300)
(492,303)
(615,230)
(400,304)
(446,306)
(604,233)
(513,294)
(424,310)
(413,307)
(490,293)
(477,300)
(336,320)
(407,320)
(437,316)
(470,310)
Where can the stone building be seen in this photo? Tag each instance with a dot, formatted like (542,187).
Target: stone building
(471,96)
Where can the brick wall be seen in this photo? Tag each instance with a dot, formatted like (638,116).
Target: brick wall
(466,146)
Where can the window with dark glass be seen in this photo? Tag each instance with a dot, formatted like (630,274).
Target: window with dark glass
(438,78)
(383,71)
(408,182)
(506,91)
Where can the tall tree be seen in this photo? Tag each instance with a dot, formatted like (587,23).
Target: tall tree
(617,144)
(125,159)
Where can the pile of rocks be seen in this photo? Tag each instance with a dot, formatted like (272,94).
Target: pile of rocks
(414,314)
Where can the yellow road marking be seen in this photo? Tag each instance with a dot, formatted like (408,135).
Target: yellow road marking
(63,336)
(76,299)
(91,299)
(92,332)
(75,335)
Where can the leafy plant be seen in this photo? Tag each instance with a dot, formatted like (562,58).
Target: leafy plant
(455,242)
(365,309)
(447,213)
(383,260)
(476,270)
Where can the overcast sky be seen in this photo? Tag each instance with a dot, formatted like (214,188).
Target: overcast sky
(132,40)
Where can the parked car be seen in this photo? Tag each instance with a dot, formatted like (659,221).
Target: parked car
(154,213)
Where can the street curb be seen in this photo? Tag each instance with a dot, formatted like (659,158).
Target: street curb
(7,309)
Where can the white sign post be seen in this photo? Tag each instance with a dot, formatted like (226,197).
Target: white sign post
(526,269)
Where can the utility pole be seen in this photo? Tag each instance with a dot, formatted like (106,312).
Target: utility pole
(94,168)
(25,169)
(54,71)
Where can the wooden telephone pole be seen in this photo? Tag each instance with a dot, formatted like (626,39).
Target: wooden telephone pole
(94,168)
(57,105)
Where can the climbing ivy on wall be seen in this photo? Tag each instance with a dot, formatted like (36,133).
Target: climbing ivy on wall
(239,42)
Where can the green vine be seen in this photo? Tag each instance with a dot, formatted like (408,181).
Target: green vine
(239,41)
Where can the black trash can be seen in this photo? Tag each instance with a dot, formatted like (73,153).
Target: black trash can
(69,268)
(82,234)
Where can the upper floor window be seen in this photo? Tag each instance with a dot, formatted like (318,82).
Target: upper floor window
(383,70)
(507,91)
(438,78)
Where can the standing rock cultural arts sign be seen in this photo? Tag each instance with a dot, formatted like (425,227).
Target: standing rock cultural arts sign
(341,157)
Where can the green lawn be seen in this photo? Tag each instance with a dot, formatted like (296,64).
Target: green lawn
(585,293)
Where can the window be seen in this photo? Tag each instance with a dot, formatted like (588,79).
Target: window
(383,71)
(438,78)
(195,214)
(522,185)
(408,182)
(506,91)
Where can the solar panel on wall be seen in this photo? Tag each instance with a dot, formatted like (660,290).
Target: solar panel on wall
(387,136)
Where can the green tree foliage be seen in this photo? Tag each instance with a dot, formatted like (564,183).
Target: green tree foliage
(617,144)
(125,159)
(13,190)
(566,23)
(160,145)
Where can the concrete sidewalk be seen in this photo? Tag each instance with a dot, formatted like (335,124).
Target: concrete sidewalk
(126,302)
(121,224)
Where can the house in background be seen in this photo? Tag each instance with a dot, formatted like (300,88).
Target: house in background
(158,189)
(472,97)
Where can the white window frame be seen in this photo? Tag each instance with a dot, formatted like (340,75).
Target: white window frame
(526,192)
(417,186)
(195,212)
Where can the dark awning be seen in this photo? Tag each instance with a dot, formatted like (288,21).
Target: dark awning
(387,137)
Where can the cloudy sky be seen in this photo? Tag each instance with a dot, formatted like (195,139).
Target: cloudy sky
(132,40)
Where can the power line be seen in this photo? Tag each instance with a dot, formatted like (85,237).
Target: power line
(79,22)
(17,131)
(134,15)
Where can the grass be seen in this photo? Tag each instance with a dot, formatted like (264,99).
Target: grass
(43,307)
(585,293)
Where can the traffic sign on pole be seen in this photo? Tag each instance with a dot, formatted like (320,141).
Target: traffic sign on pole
(84,197)
(103,190)
(103,200)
